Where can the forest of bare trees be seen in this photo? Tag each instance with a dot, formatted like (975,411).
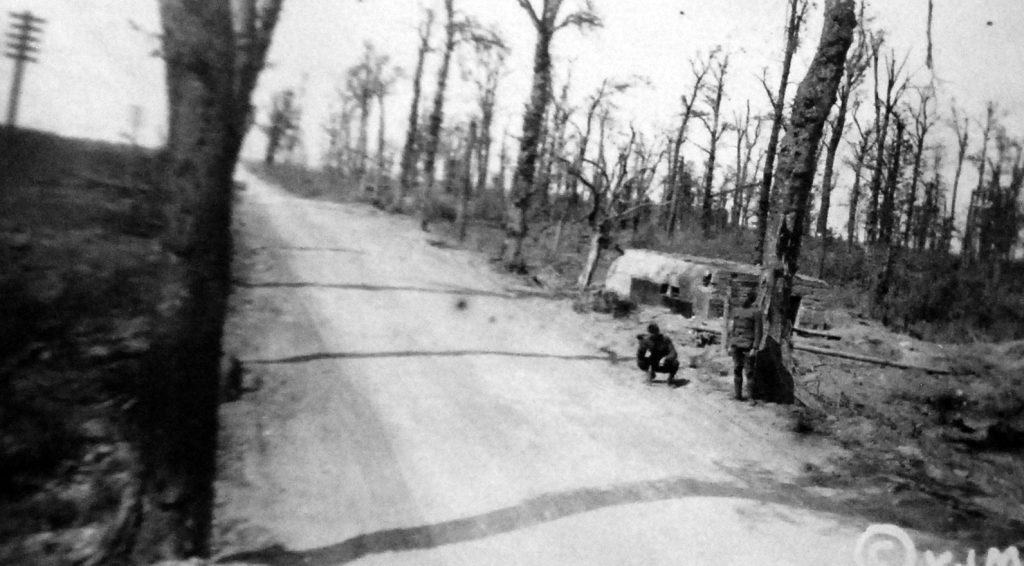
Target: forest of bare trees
(574,176)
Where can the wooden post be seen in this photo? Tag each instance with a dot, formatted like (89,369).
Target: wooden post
(23,45)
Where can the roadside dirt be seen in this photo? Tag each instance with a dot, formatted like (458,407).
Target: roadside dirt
(84,286)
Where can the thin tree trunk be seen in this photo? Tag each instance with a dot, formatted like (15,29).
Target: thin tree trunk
(433,137)
(851,222)
(466,183)
(970,231)
(484,149)
(963,137)
(915,177)
(381,143)
(410,155)
(715,133)
(679,163)
(830,161)
(362,142)
(887,213)
(798,159)
(778,107)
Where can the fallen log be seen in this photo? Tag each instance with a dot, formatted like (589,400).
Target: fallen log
(869,359)
(807,332)
(844,355)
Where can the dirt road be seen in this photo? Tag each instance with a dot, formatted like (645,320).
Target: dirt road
(405,404)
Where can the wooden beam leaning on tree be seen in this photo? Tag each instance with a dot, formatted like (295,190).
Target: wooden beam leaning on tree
(794,177)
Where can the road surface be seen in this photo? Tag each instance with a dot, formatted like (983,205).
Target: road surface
(406,404)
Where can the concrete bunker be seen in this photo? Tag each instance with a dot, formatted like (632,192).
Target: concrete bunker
(705,287)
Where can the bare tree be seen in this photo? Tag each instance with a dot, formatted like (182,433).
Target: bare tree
(699,68)
(547,23)
(887,214)
(963,138)
(386,77)
(931,225)
(597,106)
(491,62)
(794,22)
(712,120)
(363,82)
(969,248)
(410,151)
(432,138)
(607,190)
(746,140)
(885,107)
(923,121)
(861,149)
(338,128)
(797,162)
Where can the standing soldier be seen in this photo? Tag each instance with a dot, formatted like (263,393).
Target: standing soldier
(741,342)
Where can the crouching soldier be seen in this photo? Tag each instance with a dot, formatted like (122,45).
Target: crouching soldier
(656,354)
(741,342)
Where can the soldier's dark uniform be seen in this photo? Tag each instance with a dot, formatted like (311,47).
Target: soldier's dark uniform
(741,341)
(656,354)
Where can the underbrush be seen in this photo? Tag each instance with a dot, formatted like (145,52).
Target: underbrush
(88,292)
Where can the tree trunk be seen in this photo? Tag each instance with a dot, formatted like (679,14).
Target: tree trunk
(205,125)
(466,182)
(765,196)
(599,241)
(484,147)
(797,162)
(381,143)
(529,148)
(968,250)
(410,156)
(677,158)
(363,139)
(851,222)
(963,137)
(915,177)
(715,133)
(887,213)
(830,161)
(433,137)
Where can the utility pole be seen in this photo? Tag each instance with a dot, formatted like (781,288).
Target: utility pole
(22,45)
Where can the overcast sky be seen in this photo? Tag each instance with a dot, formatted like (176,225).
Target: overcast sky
(95,67)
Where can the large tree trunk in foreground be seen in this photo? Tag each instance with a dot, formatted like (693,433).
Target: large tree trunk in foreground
(202,144)
(795,175)
(213,57)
